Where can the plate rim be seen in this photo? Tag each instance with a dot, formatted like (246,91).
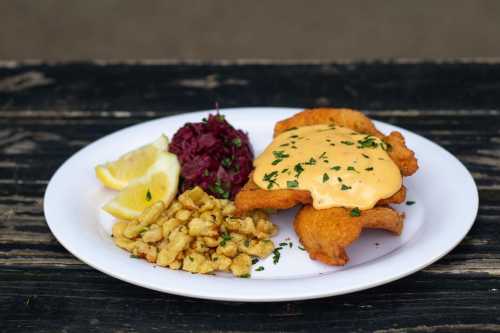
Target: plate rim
(303,296)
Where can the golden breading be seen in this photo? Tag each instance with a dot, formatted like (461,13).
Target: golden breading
(400,154)
(384,218)
(344,117)
(252,197)
(326,233)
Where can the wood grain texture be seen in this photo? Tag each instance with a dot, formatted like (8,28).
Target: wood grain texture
(48,112)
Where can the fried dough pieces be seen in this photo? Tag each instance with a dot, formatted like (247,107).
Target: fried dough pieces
(326,233)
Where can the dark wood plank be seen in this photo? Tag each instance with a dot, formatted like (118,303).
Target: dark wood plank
(184,87)
(48,112)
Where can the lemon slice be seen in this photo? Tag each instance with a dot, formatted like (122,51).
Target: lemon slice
(135,164)
(158,184)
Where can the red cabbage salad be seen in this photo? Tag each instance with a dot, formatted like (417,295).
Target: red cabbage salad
(213,155)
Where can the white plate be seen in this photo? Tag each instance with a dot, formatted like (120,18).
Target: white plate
(444,191)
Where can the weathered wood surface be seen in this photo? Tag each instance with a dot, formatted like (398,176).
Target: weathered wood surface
(47,112)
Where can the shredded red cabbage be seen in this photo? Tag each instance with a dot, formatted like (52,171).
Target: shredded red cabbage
(213,155)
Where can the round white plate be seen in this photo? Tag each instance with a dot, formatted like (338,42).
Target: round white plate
(444,191)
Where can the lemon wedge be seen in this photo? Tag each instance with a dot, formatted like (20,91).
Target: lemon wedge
(158,184)
(118,174)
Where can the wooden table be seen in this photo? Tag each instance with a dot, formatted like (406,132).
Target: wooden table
(49,111)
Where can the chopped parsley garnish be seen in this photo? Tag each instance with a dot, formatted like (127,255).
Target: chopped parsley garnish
(237,142)
(284,145)
(365,156)
(311,161)
(271,179)
(339,179)
(301,248)
(284,170)
(191,258)
(291,129)
(369,169)
(409,203)
(255,260)
(335,167)
(345,187)
(367,142)
(247,242)
(245,276)
(225,238)
(325,177)
(298,169)
(280,154)
(148,195)
(259,269)
(351,168)
(348,143)
(283,244)
(227,162)
(332,144)
(323,155)
(355,212)
(276,255)
(293,136)
(294,147)
(134,256)
(220,190)
(292,184)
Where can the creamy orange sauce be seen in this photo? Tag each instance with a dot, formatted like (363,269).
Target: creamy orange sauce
(338,166)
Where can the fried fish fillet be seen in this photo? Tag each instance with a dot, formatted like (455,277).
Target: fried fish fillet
(326,233)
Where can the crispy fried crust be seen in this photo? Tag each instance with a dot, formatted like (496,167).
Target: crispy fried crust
(343,117)
(326,233)
(253,197)
(399,153)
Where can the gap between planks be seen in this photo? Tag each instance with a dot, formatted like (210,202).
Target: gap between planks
(149,113)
